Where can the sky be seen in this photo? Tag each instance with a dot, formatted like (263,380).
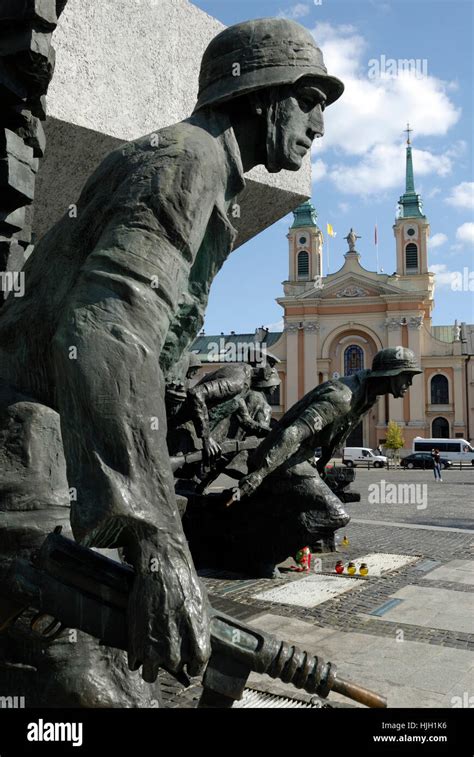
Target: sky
(359,165)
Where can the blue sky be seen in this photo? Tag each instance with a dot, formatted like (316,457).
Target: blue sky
(359,164)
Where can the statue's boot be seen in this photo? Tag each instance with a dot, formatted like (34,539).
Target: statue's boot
(73,670)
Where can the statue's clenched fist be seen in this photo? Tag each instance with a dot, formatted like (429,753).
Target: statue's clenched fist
(168,621)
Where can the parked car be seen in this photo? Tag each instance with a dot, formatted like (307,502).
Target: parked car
(456,450)
(423,460)
(354,456)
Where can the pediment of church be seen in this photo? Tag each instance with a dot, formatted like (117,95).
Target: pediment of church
(349,290)
(354,287)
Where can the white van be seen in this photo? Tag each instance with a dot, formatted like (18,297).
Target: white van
(456,450)
(353,456)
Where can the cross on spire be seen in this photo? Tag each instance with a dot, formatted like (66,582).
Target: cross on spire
(408,131)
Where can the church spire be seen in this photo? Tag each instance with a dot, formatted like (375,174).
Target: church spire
(410,181)
(411,205)
(305,215)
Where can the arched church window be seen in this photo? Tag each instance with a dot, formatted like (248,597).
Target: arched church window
(440,428)
(303,265)
(439,390)
(353,360)
(411,257)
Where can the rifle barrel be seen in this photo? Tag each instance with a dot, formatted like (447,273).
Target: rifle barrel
(88,591)
(233,446)
(358,693)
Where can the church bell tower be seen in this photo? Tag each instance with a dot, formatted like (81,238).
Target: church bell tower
(411,228)
(305,246)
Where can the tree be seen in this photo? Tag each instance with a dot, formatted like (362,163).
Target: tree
(394,438)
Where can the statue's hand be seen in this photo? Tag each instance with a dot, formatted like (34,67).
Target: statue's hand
(211,450)
(247,486)
(168,623)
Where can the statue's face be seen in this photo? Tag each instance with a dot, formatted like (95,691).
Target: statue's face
(400,384)
(299,120)
(395,385)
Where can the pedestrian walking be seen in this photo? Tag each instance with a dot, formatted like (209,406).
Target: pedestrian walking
(436,465)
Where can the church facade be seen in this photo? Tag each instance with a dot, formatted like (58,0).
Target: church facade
(334,325)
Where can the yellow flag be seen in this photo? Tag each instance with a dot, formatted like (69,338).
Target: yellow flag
(330,230)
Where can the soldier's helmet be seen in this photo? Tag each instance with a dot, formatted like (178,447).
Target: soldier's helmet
(394,360)
(262,53)
(194,361)
(265,378)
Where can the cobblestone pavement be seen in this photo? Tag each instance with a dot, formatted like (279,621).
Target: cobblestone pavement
(437,528)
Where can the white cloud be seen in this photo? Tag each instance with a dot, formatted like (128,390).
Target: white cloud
(433,192)
(344,207)
(367,122)
(465,233)
(342,48)
(319,169)
(458,149)
(383,168)
(437,240)
(296,11)
(462,195)
(444,277)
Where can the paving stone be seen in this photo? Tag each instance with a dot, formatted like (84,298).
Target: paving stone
(448,667)
(455,571)
(309,591)
(326,627)
(435,608)
(400,670)
(462,690)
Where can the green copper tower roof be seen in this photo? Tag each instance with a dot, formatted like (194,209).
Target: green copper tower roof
(411,204)
(305,215)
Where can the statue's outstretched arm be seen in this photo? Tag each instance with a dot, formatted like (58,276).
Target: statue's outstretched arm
(278,447)
(294,443)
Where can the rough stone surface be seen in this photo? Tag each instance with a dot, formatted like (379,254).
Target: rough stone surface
(32,464)
(17,170)
(103,94)
(27,62)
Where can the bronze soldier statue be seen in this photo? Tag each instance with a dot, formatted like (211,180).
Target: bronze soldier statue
(282,503)
(113,299)
(326,416)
